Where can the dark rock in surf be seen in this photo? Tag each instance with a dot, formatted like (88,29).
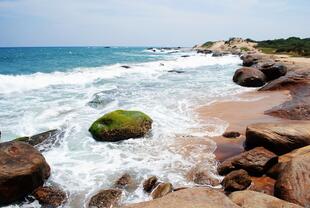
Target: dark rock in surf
(126,67)
(105,199)
(176,71)
(231,134)
(149,184)
(50,196)
(22,170)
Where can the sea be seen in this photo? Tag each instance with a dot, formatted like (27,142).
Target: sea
(68,88)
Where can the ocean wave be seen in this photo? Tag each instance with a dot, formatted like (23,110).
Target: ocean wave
(81,76)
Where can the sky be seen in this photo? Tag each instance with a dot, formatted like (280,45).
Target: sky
(148,22)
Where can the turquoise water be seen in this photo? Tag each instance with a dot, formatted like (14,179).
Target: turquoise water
(68,88)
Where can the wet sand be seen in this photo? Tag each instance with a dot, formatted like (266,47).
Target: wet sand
(239,114)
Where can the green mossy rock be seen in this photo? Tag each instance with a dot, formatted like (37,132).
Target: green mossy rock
(121,125)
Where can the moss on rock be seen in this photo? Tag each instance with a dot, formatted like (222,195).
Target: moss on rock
(120,125)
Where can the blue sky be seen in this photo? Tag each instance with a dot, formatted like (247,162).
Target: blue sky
(148,22)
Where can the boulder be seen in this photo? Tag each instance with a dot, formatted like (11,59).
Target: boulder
(50,196)
(22,170)
(231,134)
(293,184)
(236,180)
(161,190)
(256,162)
(249,77)
(149,184)
(217,54)
(105,199)
(250,59)
(253,199)
(275,171)
(121,125)
(273,71)
(191,197)
(280,138)
(263,184)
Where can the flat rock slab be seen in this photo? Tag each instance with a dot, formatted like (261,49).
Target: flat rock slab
(256,162)
(253,199)
(280,138)
(22,170)
(187,198)
(293,183)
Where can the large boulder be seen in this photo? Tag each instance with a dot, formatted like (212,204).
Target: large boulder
(50,196)
(256,162)
(249,77)
(283,160)
(191,197)
(278,137)
(22,170)
(253,199)
(105,199)
(273,71)
(236,180)
(120,125)
(293,183)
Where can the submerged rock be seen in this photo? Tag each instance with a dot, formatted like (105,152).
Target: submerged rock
(149,184)
(249,77)
(51,197)
(126,67)
(105,199)
(256,162)
(121,125)
(191,197)
(161,190)
(43,140)
(124,181)
(236,180)
(203,176)
(22,170)
(231,134)
(253,199)
(177,71)
(280,138)
(294,181)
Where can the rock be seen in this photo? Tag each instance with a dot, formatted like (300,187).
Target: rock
(253,199)
(278,137)
(126,67)
(185,56)
(293,184)
(149,184)
(51,197)
(176,71)
(105,199)
(120,125)
(161,190)
(191,197)
(236,180)
(262,184)
(250,59)
(123,181)
(203,176)
(273,71)
(291,80)
(44,140)
(22,170)
(256,162)
(231,134)
(204,51)
(275,171)
(249,77)
(217,54)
